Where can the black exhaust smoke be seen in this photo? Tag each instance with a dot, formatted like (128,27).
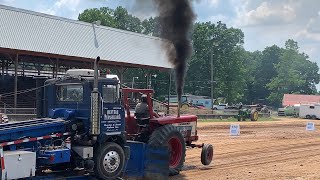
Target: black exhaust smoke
(176,19)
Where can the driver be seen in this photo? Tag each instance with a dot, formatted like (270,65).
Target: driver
(142,108)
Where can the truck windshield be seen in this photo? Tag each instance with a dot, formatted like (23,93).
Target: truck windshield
(110,93)
(70,92)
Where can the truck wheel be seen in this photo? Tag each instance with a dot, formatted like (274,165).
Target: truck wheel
(206,154)
(314,117)
(254,115)
(109,161)
(170,136)
(308,116)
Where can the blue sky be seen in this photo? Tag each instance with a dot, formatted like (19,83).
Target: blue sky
(264,22)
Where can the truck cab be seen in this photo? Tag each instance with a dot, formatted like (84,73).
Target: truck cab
(71,98)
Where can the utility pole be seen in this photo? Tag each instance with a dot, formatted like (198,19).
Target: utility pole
(211,81)
(16,63)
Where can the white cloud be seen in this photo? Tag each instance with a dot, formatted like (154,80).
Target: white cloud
(213,3)
(210,3)
(72,6)
(269,22)
(311,31)
(219,17)
(265,14)
(6,1)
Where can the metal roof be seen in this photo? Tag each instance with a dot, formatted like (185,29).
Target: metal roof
(36,32)
(292,99)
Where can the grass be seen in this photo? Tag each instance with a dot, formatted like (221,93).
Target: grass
(232,119)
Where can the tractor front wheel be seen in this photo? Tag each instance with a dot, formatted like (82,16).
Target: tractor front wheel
(109,161)
(170,136)
(206,154)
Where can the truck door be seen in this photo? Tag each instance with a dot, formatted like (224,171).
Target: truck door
(113,116)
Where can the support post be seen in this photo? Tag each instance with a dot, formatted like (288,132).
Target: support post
(23,67)
(2,70)
(16,81)
(40,105)
(211,81)
(147,80)
(121,74)
(169,93)
(7,67)
(38,68)
(53,70)
(57,67)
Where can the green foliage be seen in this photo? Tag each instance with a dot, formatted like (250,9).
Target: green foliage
(223,45)
(295,74)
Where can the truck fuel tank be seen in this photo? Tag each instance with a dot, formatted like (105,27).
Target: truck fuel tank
(54,156)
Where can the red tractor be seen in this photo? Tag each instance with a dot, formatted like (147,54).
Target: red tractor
(177,133)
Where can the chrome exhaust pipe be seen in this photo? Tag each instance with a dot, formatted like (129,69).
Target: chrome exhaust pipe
(95,102)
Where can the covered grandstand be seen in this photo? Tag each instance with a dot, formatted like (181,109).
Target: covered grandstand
(36,44)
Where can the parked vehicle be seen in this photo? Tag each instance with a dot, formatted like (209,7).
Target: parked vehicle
(220,107)
(188,100)
(289,110)
(309,111)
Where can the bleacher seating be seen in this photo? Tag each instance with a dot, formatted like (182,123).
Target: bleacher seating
(24,100)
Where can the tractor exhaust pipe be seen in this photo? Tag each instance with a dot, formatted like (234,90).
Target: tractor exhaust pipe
(179,105)
(95,102)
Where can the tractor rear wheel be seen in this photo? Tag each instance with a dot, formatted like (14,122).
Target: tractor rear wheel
(184,106)
(170,136)
(254,115)
(109,161)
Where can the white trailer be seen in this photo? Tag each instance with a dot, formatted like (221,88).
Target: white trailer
(309,111)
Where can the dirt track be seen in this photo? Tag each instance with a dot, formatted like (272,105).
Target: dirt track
(265,150)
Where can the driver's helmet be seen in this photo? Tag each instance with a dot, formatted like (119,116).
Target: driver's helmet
(144,98)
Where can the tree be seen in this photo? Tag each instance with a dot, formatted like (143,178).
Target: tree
(295,74)
(224,46)
(151,26)
(104,14)
(118,18)
(265,72)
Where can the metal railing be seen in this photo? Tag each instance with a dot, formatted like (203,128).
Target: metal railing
(22,111)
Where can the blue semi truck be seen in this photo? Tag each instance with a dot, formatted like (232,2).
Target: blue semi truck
(81,131)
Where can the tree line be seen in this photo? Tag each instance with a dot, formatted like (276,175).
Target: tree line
(238,75)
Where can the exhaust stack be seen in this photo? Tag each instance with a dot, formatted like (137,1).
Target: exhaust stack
(179,105)
(95,102)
